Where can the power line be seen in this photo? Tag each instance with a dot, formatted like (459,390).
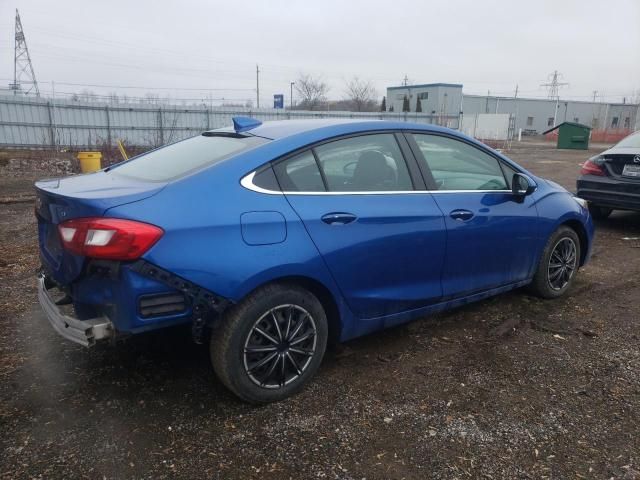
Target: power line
(138,47)
(504,94)
(144,99)
(132,48)
(141,87)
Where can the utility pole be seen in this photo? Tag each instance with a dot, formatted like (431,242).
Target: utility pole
(54,130)
(257,87)
(291,97)
(405,81)
(593,110)
(513,121)
(23,73)
(515,107)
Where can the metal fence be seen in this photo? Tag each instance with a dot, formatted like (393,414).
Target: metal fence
(37,122)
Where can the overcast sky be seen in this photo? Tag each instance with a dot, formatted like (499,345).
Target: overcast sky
(190,44)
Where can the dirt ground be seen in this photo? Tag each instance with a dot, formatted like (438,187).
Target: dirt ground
(511,387)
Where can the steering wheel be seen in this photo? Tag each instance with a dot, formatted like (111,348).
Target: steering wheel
(348,166)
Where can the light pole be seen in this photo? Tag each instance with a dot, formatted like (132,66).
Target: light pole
(291,97)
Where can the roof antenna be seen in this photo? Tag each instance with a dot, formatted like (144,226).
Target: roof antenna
(242,124)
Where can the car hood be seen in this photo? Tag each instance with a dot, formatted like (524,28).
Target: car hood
(555,186)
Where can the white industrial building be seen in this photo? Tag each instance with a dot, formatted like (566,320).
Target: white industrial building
(533,116)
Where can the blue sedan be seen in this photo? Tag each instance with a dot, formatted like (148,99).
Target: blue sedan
(273,239)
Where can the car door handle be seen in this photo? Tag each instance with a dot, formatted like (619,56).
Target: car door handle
(338,218)
(461,215)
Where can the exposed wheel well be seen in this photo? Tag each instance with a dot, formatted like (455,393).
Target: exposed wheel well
(577,227)
(323,294)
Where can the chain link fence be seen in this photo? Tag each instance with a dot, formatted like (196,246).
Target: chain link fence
(38,122)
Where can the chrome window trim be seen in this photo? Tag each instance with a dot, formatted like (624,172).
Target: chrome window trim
(469,191)
(371,192)
(247,182)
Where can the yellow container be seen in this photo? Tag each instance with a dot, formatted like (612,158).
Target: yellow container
(89,161)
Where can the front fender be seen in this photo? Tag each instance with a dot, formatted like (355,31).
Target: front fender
(557,207)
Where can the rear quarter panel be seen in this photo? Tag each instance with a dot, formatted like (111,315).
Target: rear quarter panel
(204,242)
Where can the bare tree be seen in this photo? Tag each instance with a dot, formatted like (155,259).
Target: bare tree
(86,96)
(361,93)
(311,91)
(233,104)
(151,98)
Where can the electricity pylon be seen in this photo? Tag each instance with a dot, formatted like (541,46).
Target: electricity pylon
(554,91)
(24,78)
(554,84)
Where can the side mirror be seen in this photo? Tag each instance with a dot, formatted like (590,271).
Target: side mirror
(522,185)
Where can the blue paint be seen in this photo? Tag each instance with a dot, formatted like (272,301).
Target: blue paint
(263,228)
(242,124)
(402,255)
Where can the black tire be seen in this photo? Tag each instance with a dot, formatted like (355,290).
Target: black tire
(237,347)
(546,282)
(598,212)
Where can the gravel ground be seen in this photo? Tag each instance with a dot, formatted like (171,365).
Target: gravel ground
(511,387)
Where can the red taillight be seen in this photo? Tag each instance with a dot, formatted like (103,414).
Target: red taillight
(591,168)
(110,238)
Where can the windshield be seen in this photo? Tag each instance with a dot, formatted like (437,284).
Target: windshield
(180,158)
(632,141)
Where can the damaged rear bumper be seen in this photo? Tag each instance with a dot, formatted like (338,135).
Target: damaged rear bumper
(85,332)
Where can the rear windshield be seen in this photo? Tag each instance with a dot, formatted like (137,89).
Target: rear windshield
(180,158)
(632,141)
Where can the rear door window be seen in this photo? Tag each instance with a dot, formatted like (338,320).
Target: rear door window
(299,173)
(180,158)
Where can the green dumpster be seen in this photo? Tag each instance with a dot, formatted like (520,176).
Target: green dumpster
(572,136)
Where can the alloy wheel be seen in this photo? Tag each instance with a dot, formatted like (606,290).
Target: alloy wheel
(562,263)
(280,346)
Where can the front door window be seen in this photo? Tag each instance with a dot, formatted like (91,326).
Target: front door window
(458,166)
(367,163)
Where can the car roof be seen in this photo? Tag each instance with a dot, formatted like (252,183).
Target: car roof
(278,129)
(291,135)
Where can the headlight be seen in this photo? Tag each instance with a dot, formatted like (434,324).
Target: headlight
(581,201)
